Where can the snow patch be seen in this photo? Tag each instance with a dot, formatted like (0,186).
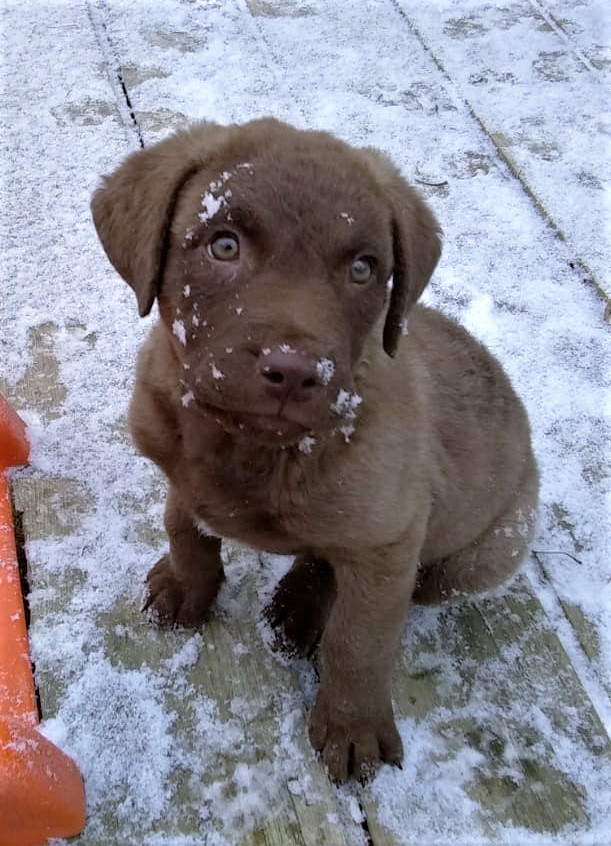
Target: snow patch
(346,404)
(479,318)
(187,399)
(204,529)
(178,329)
(306,444)
(211,206)
(325,369)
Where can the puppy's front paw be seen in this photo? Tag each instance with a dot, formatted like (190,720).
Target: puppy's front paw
(173,602)
(354,745)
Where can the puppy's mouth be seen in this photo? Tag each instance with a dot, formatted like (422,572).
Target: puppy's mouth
(269,428)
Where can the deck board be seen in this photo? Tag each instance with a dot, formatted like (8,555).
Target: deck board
(489,58)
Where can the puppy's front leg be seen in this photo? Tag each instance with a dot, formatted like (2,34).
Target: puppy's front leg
(352,723)
(183,583)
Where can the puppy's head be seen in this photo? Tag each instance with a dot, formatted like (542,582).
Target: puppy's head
(271,252)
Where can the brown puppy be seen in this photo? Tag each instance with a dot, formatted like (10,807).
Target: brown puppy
(290,409)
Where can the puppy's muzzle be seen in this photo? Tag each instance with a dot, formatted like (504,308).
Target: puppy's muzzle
(288,375)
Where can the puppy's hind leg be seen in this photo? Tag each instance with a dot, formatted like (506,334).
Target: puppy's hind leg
(491,559)
(300,606)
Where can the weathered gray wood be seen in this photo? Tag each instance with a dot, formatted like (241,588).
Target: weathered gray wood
(542,138)
(509,639)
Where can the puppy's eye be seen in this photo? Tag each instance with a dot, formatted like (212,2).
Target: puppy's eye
(224,247)
(361,270)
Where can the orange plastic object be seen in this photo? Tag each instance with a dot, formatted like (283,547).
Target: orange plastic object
(14,446)
(41,789)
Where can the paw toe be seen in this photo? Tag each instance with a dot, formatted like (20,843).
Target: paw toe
(351,747)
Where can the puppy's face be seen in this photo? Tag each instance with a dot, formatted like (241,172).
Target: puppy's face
(276,272)
(270,251)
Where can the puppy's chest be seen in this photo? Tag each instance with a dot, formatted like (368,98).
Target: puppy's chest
(265,505)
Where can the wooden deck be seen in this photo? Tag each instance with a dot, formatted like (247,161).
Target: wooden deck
(199,738)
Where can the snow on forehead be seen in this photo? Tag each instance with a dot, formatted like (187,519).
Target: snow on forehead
(216,195)
(217,184)
(211,205)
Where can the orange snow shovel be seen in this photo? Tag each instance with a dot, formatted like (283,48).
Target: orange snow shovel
(41,789)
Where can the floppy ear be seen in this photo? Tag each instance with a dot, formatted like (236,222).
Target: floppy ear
(416,244)
(133,208)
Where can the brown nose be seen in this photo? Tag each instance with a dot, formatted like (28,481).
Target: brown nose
(288,375)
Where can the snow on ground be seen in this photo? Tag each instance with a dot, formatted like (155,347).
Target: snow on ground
(126,699)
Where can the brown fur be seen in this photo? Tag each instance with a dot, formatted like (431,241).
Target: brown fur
(246,398)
